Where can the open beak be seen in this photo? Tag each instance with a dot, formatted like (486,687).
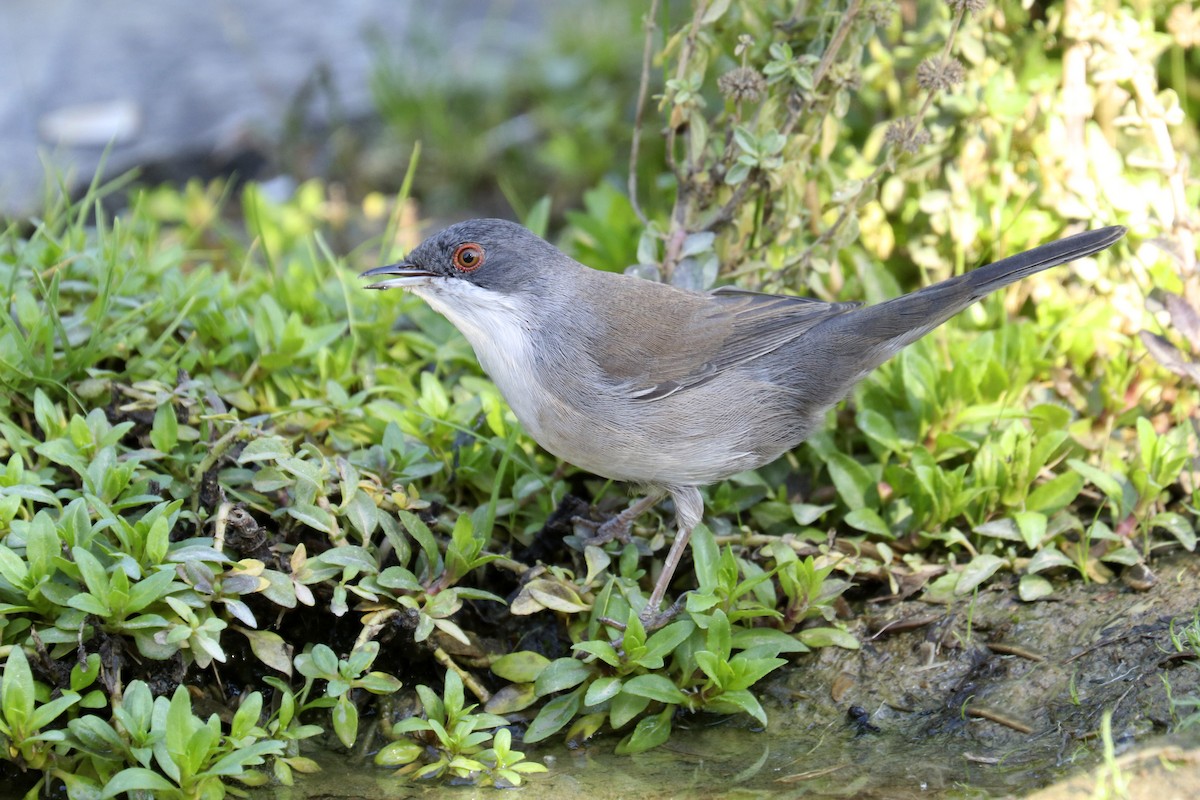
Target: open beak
(403,275)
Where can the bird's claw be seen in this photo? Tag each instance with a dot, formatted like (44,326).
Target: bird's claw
(612,528)
(652,619)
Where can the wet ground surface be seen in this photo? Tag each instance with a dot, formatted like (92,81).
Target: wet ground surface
(988,698)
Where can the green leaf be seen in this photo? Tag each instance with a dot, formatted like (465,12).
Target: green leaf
(399,578)
(314,517)
(84,675)
(265,448)
(806,514)
(1047,558)
(562,673)
(88,604)
(602,689)
(748,671)
(16,691)
(523,666)
(716,668)
(1103,481)
(452,694)
(719,636)
(1055,494)
(1034,587)
(46,713)
(358,559)
(655,687)
(512,698)
(977,570)
(601,650)
(625,707)
(854,483)
(12,567)
(150,589)
(649,733)
(828,637)
(41,546)
(554,716)
(345,721)
(704,557)
(363,514)
(164,433)
(741,700)
(664,641)
(1178,526)
(134,779)
(1032,526)
(420,531)
(93,574)
(269,648)
(1126,555)
(399,753)
(879,428)
(868,520)
(767,640)
(379,683)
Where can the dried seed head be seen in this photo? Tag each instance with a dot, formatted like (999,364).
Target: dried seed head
(742,83)
(744,42)
(906,134)
(935,74)
(970,6)
(881,13)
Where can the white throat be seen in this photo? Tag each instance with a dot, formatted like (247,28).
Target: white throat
(500,332)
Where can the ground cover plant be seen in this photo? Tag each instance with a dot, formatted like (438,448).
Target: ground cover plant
(245,504)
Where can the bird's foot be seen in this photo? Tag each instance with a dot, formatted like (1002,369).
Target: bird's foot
(617,527)
(652,619)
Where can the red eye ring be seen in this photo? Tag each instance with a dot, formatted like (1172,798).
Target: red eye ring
(468,257)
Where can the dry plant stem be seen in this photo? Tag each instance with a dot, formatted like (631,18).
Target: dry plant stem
(873,179)
(835,45)
(477,688)
(643,89)
(683,172)
(727,211)
(219,524)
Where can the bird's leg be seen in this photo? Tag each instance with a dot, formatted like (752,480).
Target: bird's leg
(618,527)
(689,509)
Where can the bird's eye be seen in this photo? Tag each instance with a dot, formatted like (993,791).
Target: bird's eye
(468,257)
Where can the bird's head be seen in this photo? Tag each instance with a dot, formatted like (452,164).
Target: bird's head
(492,255)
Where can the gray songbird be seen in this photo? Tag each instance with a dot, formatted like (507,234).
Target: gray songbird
(665,388)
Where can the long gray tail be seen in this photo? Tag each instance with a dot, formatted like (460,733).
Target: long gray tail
(891,325)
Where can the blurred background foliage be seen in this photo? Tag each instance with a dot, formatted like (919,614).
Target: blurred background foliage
(222,457)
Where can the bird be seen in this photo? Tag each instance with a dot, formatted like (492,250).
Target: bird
(665,388)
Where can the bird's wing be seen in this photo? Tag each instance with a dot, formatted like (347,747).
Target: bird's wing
(701,337)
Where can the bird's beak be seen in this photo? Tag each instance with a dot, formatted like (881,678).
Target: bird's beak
(405,274)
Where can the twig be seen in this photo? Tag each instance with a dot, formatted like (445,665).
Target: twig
(981,712)
(683,172)
(643,89)
(725,215)
(853,203)
(835,44)
(999,648)
(476,688)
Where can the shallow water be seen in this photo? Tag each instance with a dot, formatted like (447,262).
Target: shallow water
(989,698)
